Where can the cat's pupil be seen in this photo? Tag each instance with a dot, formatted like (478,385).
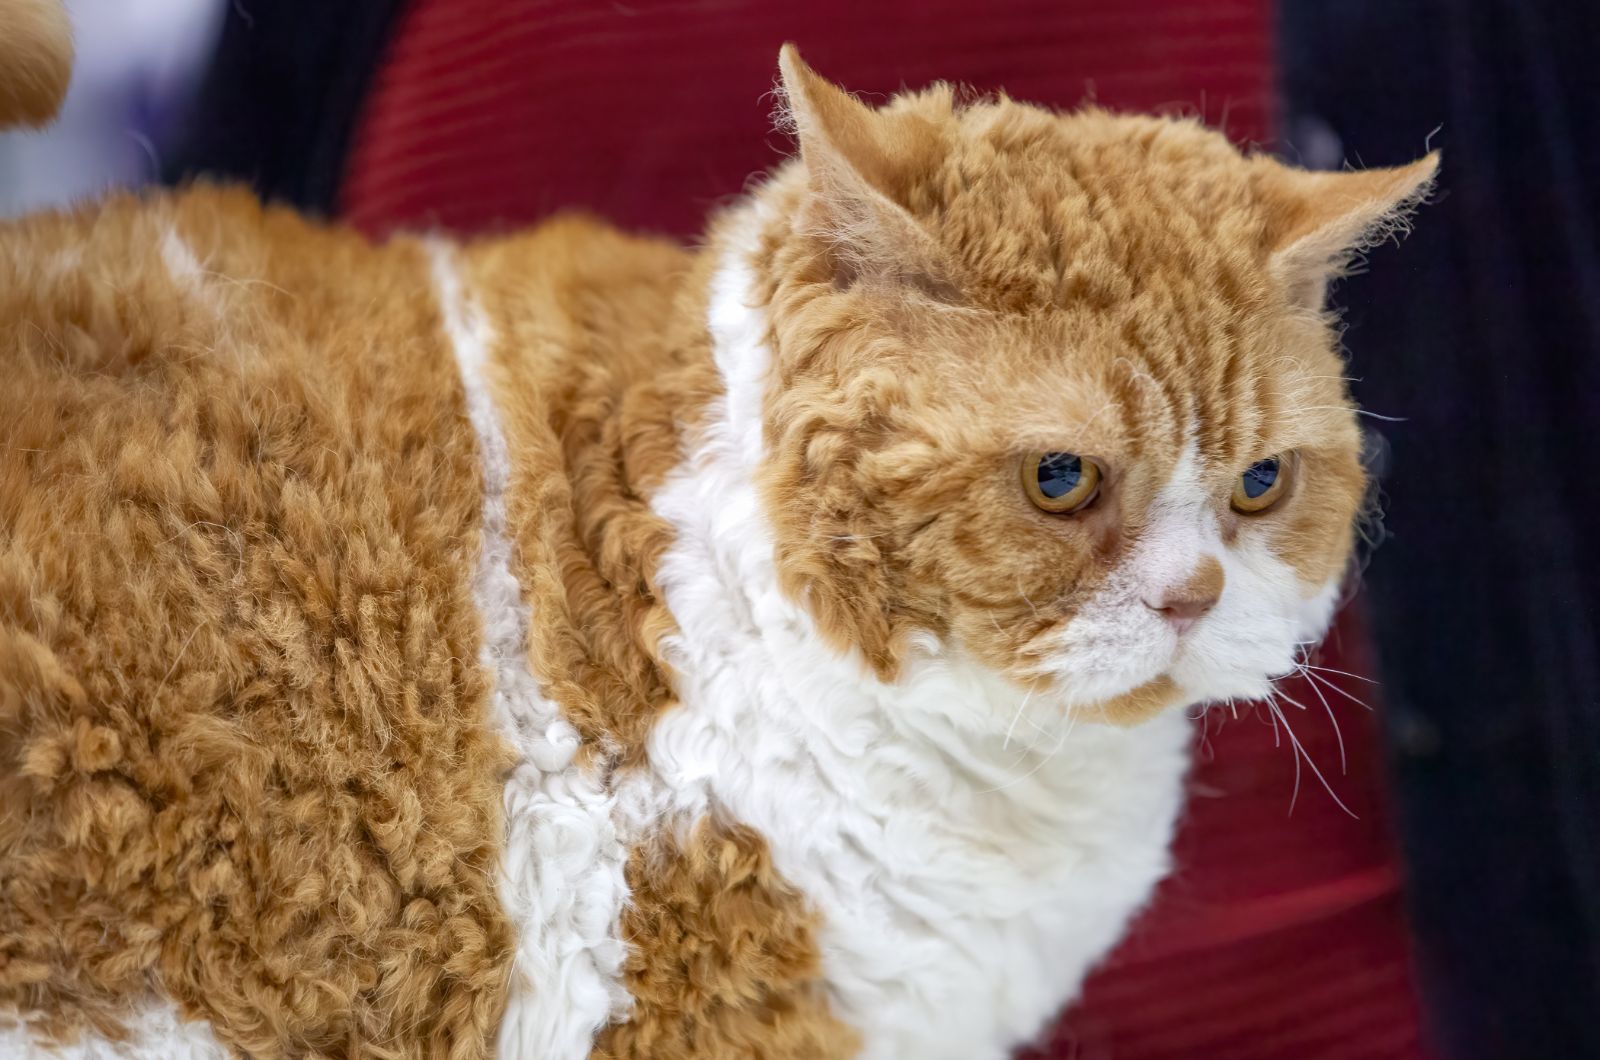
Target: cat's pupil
(1260,476)
(1059,474)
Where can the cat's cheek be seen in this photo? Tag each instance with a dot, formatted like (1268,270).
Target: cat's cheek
(1317,610)
(1261,645)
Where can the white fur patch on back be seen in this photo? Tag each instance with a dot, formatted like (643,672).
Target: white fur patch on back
(966,883)
(155,1032)
(561,875)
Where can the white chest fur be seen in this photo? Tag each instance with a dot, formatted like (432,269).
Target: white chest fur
(966,882)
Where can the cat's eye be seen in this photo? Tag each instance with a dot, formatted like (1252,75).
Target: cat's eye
(1261,485)
(1060,483)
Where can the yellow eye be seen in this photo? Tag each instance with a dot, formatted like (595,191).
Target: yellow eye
(1060,483)
(1261,486)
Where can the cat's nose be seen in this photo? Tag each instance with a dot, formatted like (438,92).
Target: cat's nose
(1182,611)
(1184,605)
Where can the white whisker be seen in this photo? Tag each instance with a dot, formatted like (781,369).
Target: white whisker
(1301,752)
(1341,673)
(1344,766)
(1358,412)
(1025,599)
(1043,760)
(1013,726)
(1324,681)
(1277,716)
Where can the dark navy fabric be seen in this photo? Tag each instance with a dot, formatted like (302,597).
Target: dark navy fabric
(1483,334)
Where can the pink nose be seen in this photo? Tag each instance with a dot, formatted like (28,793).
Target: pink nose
(1184,605)
(1182,611)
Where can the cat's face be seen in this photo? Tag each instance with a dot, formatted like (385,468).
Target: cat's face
(1056,393)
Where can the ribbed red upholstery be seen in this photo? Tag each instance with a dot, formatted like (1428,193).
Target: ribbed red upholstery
(648,111)
(1280,935)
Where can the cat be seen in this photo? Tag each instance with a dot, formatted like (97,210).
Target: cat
(569,644)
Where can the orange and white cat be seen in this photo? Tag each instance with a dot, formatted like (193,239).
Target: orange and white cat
(569,644)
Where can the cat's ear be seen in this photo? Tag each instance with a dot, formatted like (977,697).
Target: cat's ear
(1317,220)
(859,165)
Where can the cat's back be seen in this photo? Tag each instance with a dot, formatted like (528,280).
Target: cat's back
(187,368)
(241,715)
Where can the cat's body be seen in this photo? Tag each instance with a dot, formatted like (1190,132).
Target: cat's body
(568,642)
(971,878)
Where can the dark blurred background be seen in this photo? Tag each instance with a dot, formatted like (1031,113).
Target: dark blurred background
(1455,912)
(1484,334)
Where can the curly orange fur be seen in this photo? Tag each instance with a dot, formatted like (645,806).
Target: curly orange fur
(242,759)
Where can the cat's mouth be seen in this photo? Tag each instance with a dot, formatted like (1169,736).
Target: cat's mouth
(1183,675)
(1168,690)
(1124,671)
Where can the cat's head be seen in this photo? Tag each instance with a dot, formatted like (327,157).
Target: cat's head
(1057,392)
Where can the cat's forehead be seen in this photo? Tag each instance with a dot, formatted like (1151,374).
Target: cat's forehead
(1091,208)
(994,273)
(1134,386)
(1095,157)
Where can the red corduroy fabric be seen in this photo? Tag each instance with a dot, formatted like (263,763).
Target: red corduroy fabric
(649,112)
(1281,933)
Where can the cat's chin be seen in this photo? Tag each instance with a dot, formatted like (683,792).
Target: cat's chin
(1136,687)
(1205,686)
(1170,691)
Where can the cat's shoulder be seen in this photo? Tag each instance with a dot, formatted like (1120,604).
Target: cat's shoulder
(578,252)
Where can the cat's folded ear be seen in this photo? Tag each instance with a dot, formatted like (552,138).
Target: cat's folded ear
(1316,221)
(860,164)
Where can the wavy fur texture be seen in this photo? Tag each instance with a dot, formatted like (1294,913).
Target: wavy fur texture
(571,644)
(245,759)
